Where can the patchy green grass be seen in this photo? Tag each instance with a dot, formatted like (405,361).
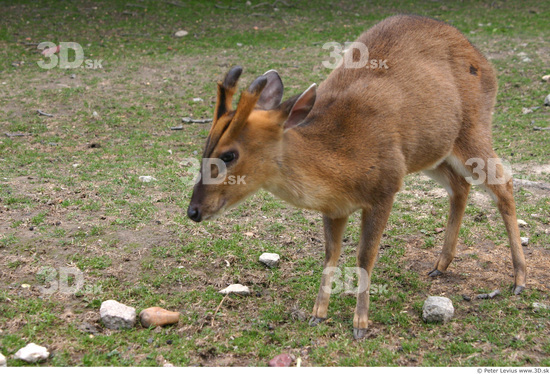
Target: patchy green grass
(71,198)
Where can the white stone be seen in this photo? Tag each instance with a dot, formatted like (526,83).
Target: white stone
(526,110)
(147,178)
(537,307)
(524,240)
(546,78)
(238,289)
(547,100)
(3,362)
(437,309)
(522,223)
(32,353)
(197,100)
(270,259)
(181,33)
(116,316)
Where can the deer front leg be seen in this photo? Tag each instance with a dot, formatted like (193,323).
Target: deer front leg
(373,222)
(334,230)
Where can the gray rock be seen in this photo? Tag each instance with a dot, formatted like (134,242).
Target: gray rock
(270,259)
(437,309)
(537,307)
(547,100)
(116,316)
(32,353)
(180,33)
(3,362)
(238,289)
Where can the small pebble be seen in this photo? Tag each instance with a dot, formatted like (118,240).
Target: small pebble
(488,295)
(270,259)
(238,289)
(181,33)
(147,178)
(524,241)
(522,223)
(282,360)
(537,307)
(116,316)
(3,362)
(156,316)
(438,309)
(32,353)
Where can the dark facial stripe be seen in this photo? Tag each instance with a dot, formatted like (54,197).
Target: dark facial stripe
(216,134)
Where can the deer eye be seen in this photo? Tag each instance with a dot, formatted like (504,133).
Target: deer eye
(228,157)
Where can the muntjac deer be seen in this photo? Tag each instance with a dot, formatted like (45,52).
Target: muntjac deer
(348,144)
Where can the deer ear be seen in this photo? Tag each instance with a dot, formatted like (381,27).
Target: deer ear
(273,92)
(301,107)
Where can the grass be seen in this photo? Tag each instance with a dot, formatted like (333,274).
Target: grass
(70,194)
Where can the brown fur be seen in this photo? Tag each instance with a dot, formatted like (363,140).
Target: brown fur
(429,111)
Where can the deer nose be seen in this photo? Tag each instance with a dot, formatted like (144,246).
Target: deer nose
(194,213)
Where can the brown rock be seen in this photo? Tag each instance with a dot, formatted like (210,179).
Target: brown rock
(156,316)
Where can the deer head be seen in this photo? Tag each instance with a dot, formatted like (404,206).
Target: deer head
(243,149)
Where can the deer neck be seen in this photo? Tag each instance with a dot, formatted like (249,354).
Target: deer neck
(299,176)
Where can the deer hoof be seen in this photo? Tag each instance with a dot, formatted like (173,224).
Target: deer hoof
(435,273)
(314,321)
(359,334)
(518,289)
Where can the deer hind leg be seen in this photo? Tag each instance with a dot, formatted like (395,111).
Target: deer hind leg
(486,169)
(458,188)
(334,230)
